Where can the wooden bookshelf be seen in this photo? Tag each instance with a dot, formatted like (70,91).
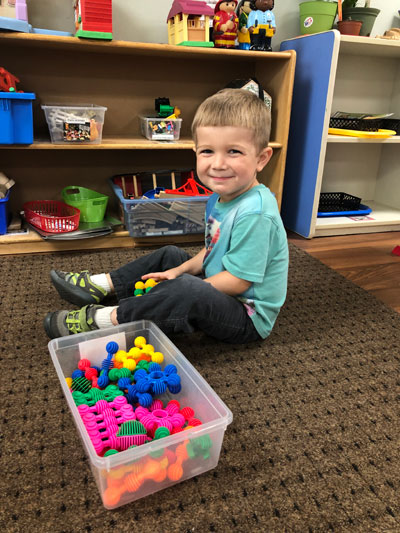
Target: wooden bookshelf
(125,77)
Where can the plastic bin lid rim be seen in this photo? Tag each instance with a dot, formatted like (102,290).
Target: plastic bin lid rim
(70,106)
(18,96)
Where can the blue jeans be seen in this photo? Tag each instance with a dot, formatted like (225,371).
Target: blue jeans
(184,304)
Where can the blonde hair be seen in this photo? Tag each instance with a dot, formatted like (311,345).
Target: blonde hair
(237,108)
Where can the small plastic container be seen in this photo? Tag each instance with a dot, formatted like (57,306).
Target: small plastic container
(4,213)
(160,129)
(91,204)
(125,477)
(16,118)
(52,216)
(156,217)
(80,124)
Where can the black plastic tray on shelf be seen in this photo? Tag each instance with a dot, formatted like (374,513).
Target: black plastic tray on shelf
(359,124)
(391,124)
(337,201)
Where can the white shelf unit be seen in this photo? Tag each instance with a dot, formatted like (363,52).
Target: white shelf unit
(359,74)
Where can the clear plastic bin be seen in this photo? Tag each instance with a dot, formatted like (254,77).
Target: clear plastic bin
(160,129)
(80,124)
(143,470)
(156,217)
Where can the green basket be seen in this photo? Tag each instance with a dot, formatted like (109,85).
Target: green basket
(91,204)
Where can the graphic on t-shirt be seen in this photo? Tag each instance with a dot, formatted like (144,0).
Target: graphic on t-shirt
(212,234)
(248,304)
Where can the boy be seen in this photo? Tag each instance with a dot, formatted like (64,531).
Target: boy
(235,286)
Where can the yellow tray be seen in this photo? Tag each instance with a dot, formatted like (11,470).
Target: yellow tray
(380,134)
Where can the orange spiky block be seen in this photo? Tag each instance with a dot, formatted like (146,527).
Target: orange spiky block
(133,481)
(175,470)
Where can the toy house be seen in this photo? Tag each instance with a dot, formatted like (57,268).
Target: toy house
(189,23)
(93,19)
(14,15)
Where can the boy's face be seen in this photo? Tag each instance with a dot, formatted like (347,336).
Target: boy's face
(228,160)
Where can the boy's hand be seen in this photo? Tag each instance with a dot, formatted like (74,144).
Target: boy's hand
(162,276)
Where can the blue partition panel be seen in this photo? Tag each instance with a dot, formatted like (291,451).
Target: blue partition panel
(313,66)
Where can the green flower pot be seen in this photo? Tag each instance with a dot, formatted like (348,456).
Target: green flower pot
(317,16)
(367,15)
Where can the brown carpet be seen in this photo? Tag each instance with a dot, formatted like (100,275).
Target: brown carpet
(314,444)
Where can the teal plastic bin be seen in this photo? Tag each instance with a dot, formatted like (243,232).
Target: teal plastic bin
(16,118)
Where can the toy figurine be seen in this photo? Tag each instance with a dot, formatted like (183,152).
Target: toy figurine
(261,24)
(243,10)
(8,82)
(225,24)
(14,15)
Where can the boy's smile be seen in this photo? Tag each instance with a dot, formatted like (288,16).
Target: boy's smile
(228,160)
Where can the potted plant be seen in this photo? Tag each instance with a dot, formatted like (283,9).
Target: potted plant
(349,26)
(360,10)
(317,16)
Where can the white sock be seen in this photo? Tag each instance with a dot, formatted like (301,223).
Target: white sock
(102,281)
(102,317)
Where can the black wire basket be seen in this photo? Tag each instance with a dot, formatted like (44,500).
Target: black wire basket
(337,201)
(391,124)
(360,124)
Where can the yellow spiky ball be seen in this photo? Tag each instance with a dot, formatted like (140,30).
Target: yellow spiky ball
(140,342)
(130,364)
(148,349)
(157,357)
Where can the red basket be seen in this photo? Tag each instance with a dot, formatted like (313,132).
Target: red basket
(52,216)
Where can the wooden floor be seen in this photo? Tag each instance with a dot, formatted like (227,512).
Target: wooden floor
(365,259)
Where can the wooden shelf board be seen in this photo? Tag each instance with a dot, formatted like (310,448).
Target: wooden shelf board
(116,143)
(129,47)
(369,46)
(28,243)
(343,139)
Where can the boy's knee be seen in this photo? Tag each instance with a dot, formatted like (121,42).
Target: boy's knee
(170,248)
(174,253)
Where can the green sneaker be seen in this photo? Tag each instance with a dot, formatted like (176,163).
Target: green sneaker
(63,323)
(77,288)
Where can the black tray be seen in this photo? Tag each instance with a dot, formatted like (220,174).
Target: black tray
(391,124)
(337,201)
(360,124)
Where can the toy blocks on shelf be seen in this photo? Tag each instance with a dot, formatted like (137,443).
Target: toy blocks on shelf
(93,19)
(14,15)
(189,23)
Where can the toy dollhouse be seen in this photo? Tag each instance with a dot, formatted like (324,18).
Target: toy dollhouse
(93,19)
(189,23)
(14,15)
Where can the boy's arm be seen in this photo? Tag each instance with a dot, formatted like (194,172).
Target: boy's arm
(192,266)
(228,283)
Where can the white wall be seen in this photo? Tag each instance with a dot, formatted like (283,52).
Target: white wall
(145,20)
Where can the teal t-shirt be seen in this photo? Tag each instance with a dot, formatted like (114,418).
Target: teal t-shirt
(246,237)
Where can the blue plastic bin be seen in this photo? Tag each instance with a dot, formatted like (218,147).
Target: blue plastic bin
(16,118)
(4,214)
